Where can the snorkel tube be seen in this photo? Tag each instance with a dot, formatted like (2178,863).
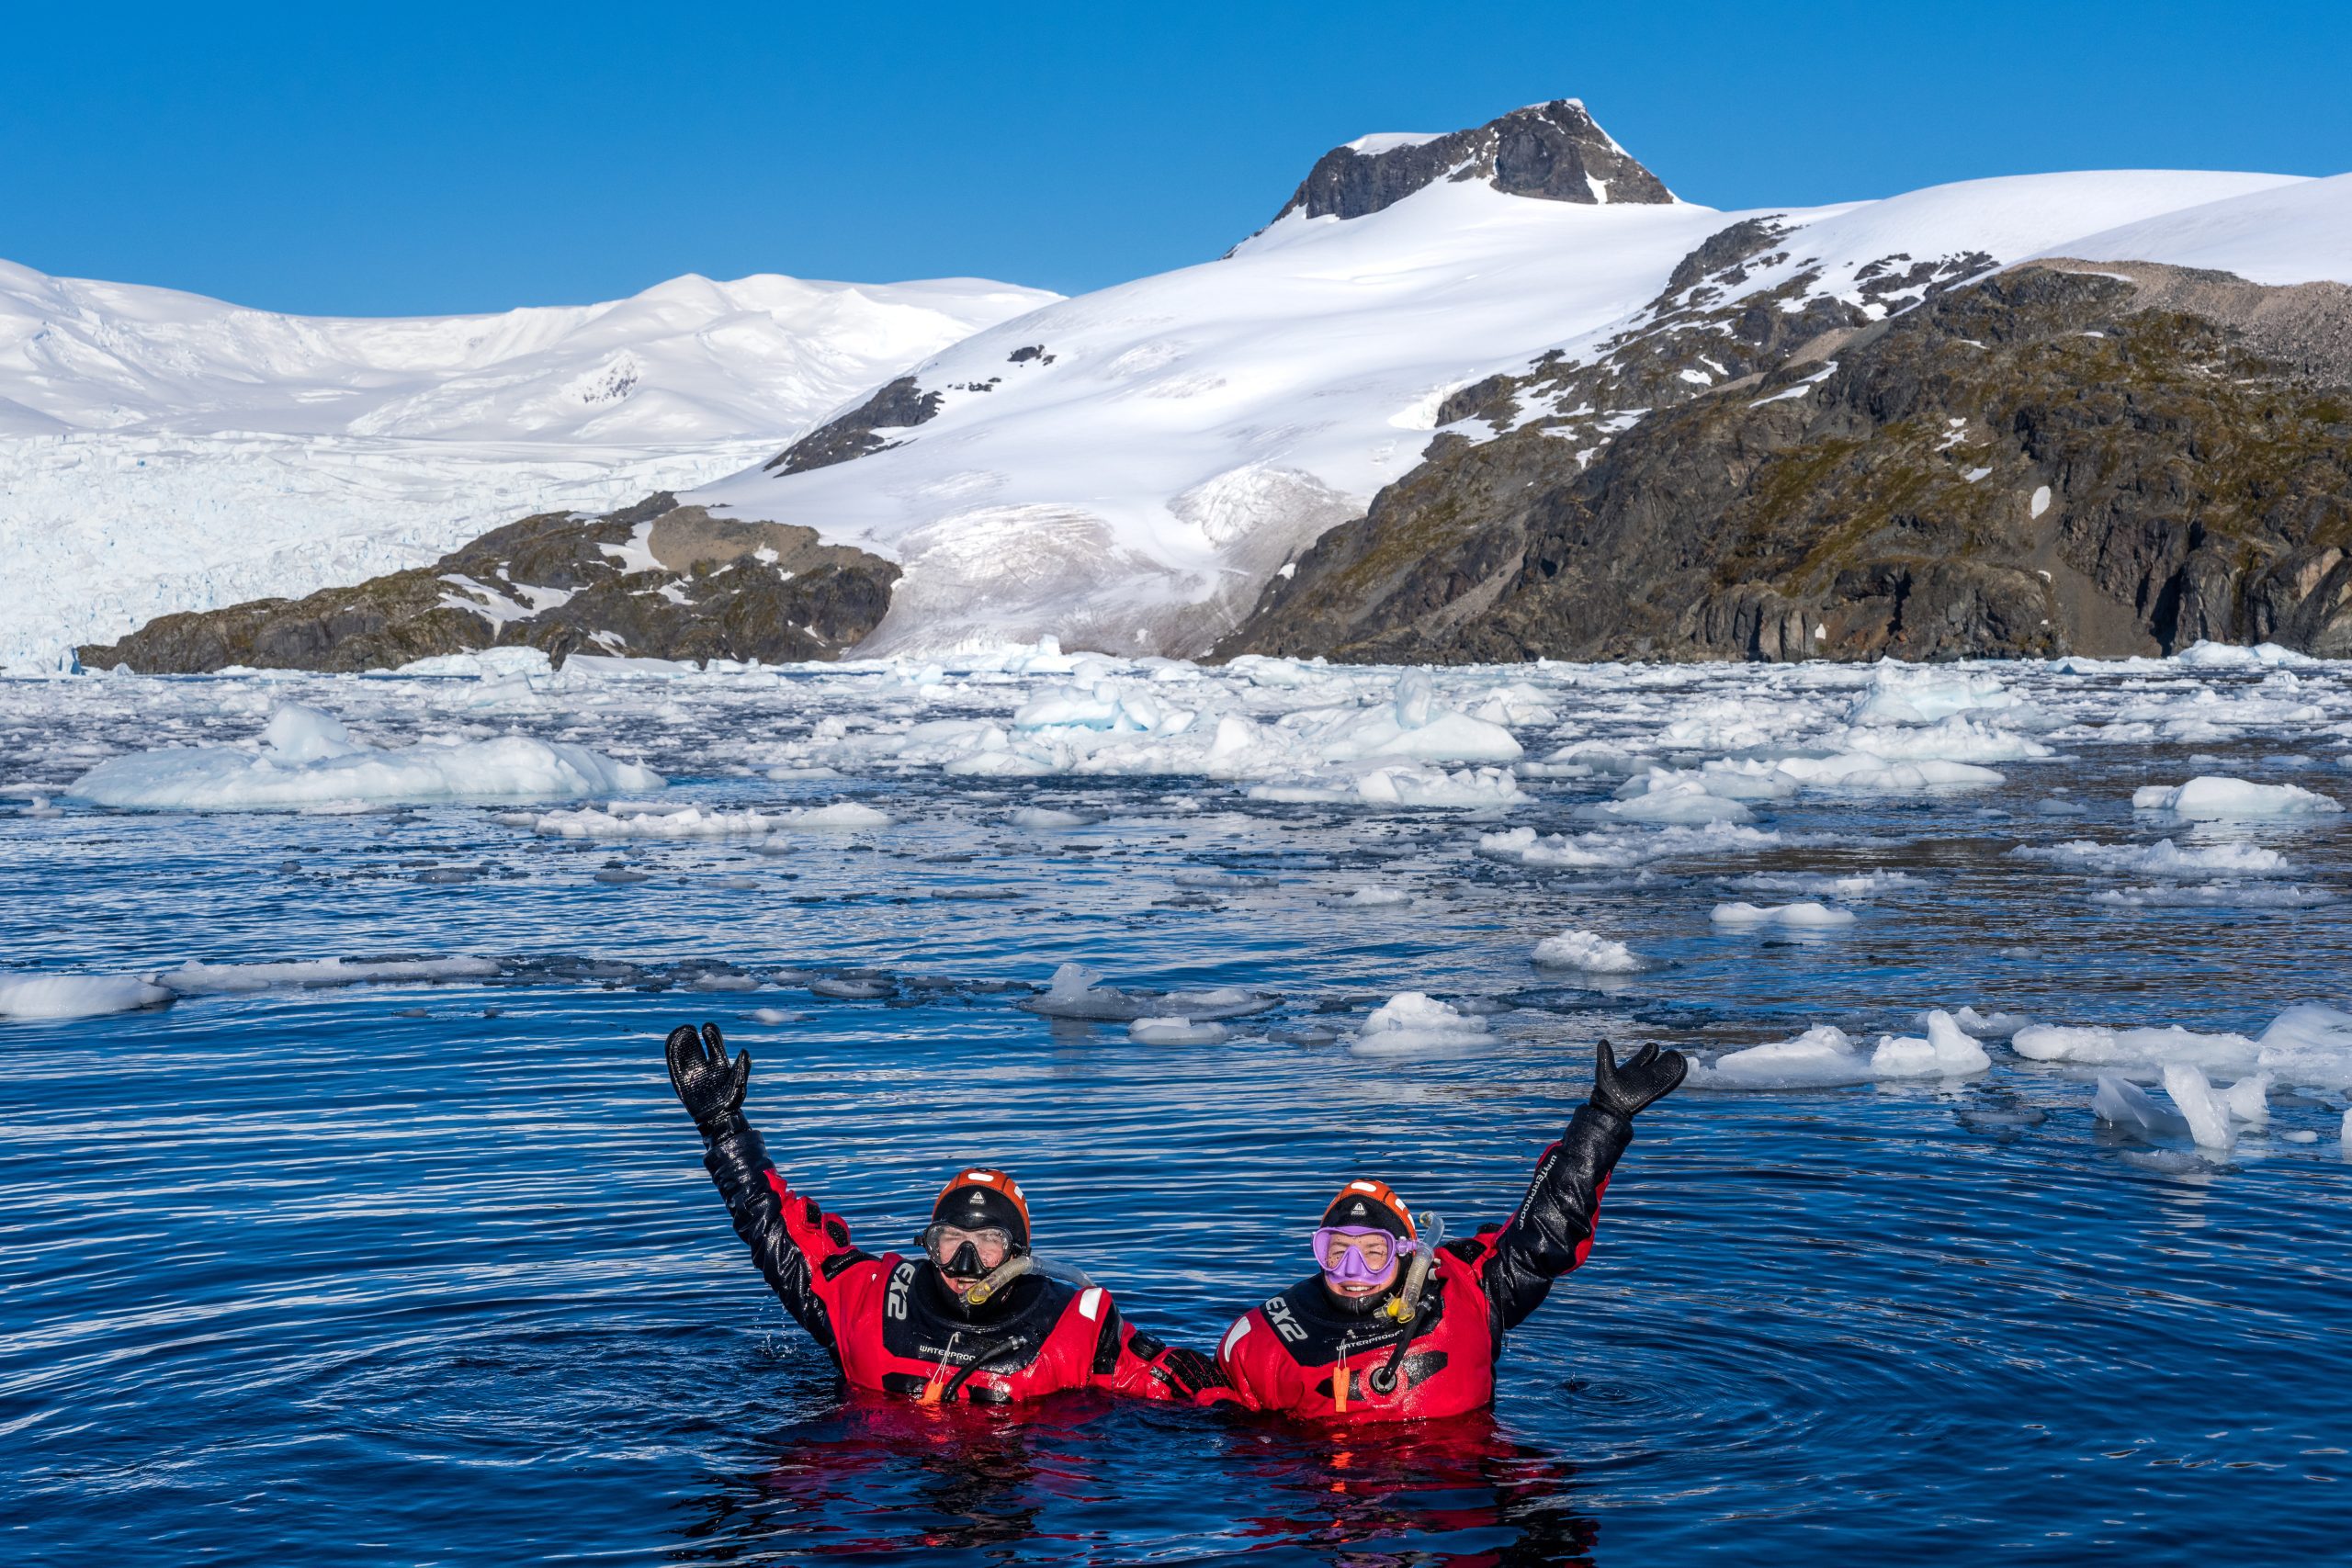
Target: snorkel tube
(980,1291)
(1406,1304)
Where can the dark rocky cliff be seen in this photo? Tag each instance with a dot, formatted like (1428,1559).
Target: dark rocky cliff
(652,581)
(1551,152)
(2052,459)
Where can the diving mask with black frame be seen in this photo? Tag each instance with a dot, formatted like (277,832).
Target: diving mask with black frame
(987,1257)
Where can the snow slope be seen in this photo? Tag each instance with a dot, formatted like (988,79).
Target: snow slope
(1193,431)
(163,451)
(2289,233)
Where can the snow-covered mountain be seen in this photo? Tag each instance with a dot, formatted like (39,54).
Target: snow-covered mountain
(164,451)
(1126,469)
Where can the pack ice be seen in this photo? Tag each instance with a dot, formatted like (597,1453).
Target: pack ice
(307,758)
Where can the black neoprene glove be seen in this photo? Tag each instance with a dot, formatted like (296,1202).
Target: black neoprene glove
(1648,1075)
(709,1086)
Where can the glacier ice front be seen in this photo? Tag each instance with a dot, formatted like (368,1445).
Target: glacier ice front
(306,758)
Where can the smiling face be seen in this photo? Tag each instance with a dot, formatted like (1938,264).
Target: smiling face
(1358,1260)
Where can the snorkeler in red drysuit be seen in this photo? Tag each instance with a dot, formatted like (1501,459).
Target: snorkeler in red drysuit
(972,1319)
(1397,1325)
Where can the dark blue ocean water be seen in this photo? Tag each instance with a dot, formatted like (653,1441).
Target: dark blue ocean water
(430,1274)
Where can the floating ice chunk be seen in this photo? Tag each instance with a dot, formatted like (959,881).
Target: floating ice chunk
(772,1015)
(489,664)
(195,979)
(1221,1001)
(999,764)
(2210,894)
(1225,880)
(2050,806)
(1855,885)
(2249,1100)
(1376,898)
(2204,655)
(75,996)
(1411,725)
(630,819)
(1588,951)
(307,758)
(638,819)
(1045,817)
(723,983)
(2208,1117)
(1948,1051)
(2101,1047)
(1077,992)
(1903,693)
(1822,1057)
(2124,1104)
(2344,1135)
(844,816)
(1071,993)
(1859,772)
(2216,800)
(1623,847)
(2310,1045)
(2163,858)
(1175,1031)
(1957,738)
(1990,1025)
(1742,781)
(1808,915)
(1669,798)
(1413,1021)
(848,989)
(1427,789)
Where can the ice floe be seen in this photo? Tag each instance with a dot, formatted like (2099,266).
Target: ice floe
(75,996)
(1826,1057)
(1588,951)
(2308,1044)
(2163,858)
(2215,799)
(639,819)
(1413,1021)
(1077,992)
(195,979)
(1806,915)
(307,758)
(1175,1031)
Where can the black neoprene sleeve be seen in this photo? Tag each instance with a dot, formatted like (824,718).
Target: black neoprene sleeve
(1549,1234)
(737,1162)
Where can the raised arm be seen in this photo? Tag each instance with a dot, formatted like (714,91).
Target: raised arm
(1551,1231)
(801,1251)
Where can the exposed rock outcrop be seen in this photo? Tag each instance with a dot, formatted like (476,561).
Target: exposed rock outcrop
(1553,151)
(1704,330)
(653,580)
(2054,459)
(895,405)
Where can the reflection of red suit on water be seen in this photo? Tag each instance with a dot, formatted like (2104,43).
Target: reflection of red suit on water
(1415,1485)
(880,1475)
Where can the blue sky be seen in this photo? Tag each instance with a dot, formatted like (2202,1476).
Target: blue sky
(366,158)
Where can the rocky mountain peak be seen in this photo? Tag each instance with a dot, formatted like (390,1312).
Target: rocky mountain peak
(1551,152)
